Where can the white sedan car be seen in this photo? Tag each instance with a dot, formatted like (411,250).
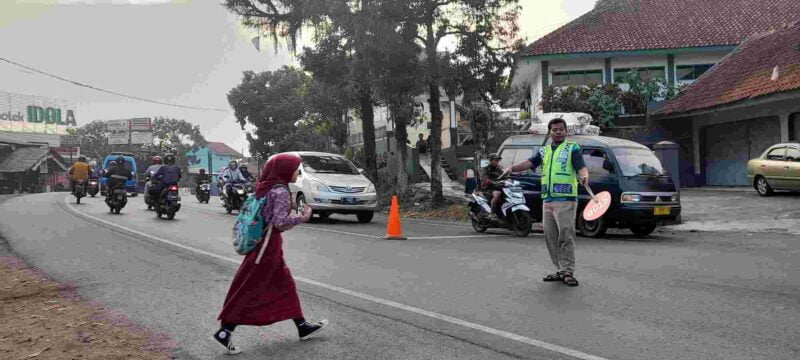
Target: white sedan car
(331,184)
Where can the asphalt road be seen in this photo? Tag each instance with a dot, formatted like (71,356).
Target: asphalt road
(446,292)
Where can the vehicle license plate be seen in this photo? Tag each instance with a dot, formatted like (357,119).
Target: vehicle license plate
(661,210)
(349,201)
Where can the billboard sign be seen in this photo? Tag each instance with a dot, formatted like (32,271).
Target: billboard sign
(35,114)
(118,138)
(141,137)
(70,140)
(117,125)
(141,124)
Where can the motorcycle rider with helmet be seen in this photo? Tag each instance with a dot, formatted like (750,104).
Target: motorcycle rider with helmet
(246,173)
(117,173)
(231,175)
(167,175)
(79,171)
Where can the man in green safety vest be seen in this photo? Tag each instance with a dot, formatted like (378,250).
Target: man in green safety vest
(562,168)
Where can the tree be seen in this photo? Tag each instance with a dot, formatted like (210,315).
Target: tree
(346,26)
(484,33)
(178,137)
(94,139)
(274,102)
(398,83)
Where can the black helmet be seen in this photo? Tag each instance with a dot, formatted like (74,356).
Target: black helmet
(120,160)
(202,171)
(169,159)
(82,158)
(494,156)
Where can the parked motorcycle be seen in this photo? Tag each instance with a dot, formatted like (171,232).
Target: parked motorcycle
(80,190)
(169,202)
(116,198)
(513,214)
(203,192)
(240,192)
(94,187)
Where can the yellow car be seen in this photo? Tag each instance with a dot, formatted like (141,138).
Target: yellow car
(778,168)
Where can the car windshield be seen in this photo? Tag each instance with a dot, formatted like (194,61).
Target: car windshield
(638,161)
(328,165)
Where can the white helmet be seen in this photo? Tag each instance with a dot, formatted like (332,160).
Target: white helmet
(93,163)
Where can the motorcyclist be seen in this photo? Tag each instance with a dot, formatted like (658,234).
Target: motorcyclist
(79,171)
(246,173)
(231,175)
(201,178)
(95,171)
(117,174)
(492,187)
(167,175)
(152,169)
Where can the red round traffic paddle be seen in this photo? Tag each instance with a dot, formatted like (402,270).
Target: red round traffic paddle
(597,206)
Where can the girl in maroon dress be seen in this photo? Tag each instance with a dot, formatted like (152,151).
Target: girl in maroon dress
(265,293)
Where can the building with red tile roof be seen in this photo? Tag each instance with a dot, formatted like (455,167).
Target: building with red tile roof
(746,103)
(677,40)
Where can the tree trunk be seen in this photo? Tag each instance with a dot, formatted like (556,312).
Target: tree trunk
(400,137)
(437,198)
(368,129)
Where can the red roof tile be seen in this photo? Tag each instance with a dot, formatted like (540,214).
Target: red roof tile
(745,73)
(223,149)
(626,25)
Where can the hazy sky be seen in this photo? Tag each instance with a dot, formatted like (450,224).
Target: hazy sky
(189,52)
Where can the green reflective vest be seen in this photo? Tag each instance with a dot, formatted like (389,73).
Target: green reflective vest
(558,176)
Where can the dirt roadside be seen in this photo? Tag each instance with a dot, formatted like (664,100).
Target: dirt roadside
(41,319)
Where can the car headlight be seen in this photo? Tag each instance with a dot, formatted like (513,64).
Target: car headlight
(319,187)
(631,198)
(370,188)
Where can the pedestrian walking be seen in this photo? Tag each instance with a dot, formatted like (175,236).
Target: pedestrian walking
(562,165)
(265,293)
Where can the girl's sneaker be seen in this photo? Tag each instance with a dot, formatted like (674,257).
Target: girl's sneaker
(309,330)
(224,337)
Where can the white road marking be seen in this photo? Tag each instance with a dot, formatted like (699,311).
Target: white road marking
(456,237)
(338,232)
(456,321)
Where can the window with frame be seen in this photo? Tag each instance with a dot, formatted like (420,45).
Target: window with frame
(597,162)
(577,78)
(776,154)
(645,73)
(691,72)
(792,154)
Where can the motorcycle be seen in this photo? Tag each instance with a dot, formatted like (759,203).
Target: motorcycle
(80,190)
(169,202)
(148,199)
(240,192)
(93,187)
(513,215)
(116,198)
(203,192)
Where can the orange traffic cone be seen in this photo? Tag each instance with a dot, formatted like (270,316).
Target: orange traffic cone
(394,231)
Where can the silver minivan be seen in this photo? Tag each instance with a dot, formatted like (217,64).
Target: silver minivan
(331,184)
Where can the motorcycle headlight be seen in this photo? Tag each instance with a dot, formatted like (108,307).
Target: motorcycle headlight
(319,187)
(370,188)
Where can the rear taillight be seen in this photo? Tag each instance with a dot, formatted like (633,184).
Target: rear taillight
(173,188)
